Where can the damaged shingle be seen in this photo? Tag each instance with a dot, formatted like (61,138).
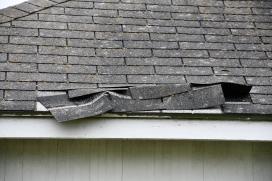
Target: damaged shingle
(84,92)
(99,105)
(151,92)
(123,103)
(207,97)
(81,103)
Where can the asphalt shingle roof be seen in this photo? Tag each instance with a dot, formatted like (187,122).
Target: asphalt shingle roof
(59,45)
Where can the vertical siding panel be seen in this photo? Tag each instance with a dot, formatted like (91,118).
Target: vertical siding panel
(262,156)
(138,160)
(178,161)
(226,161)
(72,160)
(14,160)
(2,159)
(39,160)
(106,160)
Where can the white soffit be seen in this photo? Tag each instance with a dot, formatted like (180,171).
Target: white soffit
(135,128)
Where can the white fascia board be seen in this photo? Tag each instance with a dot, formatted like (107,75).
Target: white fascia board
(134,128)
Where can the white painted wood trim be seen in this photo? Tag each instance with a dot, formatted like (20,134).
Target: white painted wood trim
(135,128)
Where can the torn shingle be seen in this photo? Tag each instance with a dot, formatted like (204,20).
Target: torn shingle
(206,97)
(99,105)
(151,92)
(84,92)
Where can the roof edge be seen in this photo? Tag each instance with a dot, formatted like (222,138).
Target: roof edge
(26,8)
(151,115)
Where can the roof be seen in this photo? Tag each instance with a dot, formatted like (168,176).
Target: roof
(61,45)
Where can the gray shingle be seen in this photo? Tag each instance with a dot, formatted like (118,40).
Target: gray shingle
(34,58)
(18,85)
(18,67)
(200,31)
(259,80)
(172,8)
(123,52)
(145,14)
(261,90)
(2,75)
(8,48)
(199,2)
(65,18)
(77,4)
(121,36)
(243,72)
(119,6)
(153,61)
(237,54)
(78,78)
(14,76)
(211,62)
(39,24)
(181,53)
(37,41)
(215,79)
(158,79)
(148,1)
(95,27)
(94,43)
(206,46)
(183,70)
(119,21)
(232,39)
(53,68)
(151,29)
(177,37)
(66,34)
(49,86)
(51,50)
(150,44)
(3,57)
(17,105)
(125,70)
(261,99)
(91,12)
(18,31)
(13,95)
(95,61)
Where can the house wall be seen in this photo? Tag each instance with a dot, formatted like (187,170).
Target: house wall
(89,160)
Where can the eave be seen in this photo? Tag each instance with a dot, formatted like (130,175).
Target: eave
(237,127)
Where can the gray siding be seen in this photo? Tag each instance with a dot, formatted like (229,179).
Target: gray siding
(73,160)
